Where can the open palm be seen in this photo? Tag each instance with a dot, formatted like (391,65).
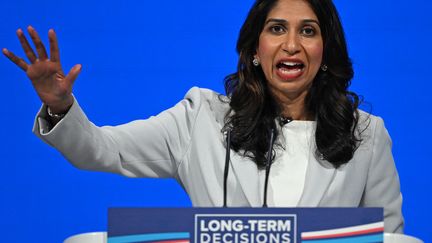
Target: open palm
(46,74)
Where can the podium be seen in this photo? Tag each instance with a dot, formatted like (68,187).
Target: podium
(245,225)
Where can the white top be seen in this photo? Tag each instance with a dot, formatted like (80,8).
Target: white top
(288,171)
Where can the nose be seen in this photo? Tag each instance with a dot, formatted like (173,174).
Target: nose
(291,44)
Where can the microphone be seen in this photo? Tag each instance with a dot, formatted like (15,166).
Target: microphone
(268,166)
(227,161)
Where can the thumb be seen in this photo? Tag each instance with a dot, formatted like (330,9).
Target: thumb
(73,73)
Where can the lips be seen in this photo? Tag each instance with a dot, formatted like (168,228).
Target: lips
(289,69)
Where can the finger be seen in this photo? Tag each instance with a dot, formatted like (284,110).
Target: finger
(73,73)
(54,50)
(18,61)
(26,46)
(40,48)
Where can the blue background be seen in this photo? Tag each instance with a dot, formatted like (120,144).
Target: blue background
(140,57)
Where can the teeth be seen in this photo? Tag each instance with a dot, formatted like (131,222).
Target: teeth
(291,63)
(290,71)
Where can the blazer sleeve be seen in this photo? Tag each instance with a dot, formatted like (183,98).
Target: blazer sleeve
(144,148)
(382,186)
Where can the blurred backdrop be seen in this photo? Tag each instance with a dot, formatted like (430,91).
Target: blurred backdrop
(140,57)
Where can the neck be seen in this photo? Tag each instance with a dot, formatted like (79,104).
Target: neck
(293,107)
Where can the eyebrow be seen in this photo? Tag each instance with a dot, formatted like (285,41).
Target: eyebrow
(283,21)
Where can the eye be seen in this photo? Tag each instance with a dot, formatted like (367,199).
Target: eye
(308,31)
(277,29)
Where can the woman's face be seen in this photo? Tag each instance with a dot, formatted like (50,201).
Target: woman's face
(290,48)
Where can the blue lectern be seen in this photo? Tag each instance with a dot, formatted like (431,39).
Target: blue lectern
(245,225)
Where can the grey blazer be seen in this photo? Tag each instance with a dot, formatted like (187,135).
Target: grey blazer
(186,143)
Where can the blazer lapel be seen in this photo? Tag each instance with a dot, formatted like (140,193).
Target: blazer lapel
(319,176)
(246,173)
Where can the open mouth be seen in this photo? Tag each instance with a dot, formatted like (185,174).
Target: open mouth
(290,69)
(290,66)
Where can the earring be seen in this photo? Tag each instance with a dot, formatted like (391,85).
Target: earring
(324,67)
(255,62)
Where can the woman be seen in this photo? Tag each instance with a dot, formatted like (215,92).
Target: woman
(288,109)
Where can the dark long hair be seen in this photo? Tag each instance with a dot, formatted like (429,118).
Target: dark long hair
(253,109)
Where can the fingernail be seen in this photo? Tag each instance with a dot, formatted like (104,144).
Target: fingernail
(5,51)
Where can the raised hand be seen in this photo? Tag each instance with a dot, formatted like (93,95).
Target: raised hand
(46,74)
